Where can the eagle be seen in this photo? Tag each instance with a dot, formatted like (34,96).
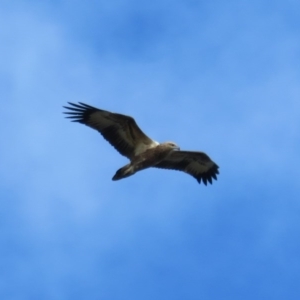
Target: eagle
(123,133)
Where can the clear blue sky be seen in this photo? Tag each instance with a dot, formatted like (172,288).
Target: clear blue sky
(221,77)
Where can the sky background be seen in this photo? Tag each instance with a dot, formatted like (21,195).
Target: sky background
(221,77)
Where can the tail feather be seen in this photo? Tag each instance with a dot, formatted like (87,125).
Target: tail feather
(124,172)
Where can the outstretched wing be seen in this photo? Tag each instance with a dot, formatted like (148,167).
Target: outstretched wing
(120,131)
(197,164)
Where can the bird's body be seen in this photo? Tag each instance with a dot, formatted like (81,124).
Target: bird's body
(146,159)
(128,139)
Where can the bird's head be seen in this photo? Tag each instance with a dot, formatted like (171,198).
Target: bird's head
(172,145)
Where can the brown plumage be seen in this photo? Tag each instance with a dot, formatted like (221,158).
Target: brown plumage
(128,139)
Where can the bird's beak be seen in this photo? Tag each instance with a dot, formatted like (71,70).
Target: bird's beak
(177,148)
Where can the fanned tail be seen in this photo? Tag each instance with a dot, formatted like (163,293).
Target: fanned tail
(124,172)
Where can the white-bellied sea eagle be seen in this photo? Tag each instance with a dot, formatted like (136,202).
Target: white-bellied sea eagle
(128,139)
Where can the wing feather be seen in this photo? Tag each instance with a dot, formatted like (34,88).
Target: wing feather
(119,130)
(197,164)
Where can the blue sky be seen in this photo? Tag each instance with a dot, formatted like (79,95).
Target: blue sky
(220,77)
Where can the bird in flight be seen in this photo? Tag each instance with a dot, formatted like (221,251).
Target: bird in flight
(123,133)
